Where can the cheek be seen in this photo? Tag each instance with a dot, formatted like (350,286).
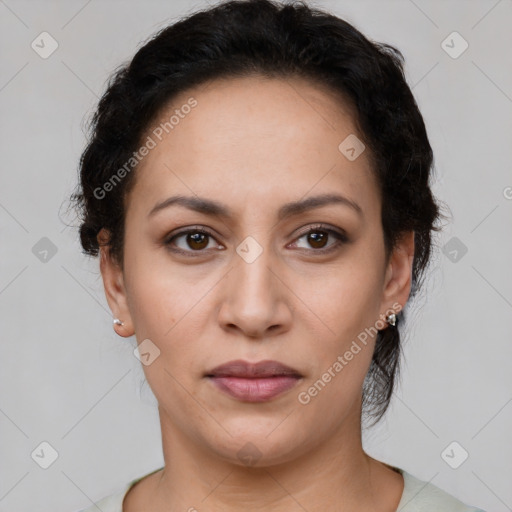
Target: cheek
(159,297)
(345,298)
(166,312)
(342,353)
(346,304)
(168,306)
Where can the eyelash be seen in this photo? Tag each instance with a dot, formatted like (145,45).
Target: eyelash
(340,237)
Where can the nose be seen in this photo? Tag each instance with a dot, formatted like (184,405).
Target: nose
(255,299)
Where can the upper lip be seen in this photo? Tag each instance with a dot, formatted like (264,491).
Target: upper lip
(240,368)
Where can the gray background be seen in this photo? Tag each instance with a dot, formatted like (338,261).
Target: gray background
(67,379)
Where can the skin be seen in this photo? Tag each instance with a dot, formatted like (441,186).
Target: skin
(255,144)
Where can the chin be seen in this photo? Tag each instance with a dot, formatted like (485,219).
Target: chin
(255,444)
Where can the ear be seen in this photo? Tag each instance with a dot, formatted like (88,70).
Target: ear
(398,279)
(115,290)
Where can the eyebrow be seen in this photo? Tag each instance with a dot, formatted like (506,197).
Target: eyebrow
(214,208)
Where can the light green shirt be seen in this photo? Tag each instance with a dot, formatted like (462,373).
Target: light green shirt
(417,496)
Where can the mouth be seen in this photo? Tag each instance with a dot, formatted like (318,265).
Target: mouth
(253,382)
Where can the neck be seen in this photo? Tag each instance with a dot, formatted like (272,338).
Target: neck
(337,471)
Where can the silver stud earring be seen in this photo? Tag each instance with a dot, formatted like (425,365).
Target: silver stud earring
(391,319)
(116,321)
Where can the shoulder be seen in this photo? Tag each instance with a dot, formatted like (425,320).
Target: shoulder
(420,496)
(417,496)
(114,502)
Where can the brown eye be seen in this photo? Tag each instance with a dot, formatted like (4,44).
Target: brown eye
(318,237)
(190,241)
(197,240)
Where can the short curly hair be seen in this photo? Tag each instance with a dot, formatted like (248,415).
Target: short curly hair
(262,37)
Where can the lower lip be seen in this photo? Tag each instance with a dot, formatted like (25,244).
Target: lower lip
(254,390)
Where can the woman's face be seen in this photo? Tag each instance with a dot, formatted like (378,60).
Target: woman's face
(257,286)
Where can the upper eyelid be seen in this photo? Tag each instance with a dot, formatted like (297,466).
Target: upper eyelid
(319,226)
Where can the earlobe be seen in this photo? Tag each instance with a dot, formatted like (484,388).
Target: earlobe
(115,290)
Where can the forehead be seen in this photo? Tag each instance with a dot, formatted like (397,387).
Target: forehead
(253,137)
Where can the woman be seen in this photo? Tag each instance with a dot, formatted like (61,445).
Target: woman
(257,188)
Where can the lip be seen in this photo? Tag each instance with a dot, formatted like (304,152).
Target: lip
(245,369)
(254,382)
